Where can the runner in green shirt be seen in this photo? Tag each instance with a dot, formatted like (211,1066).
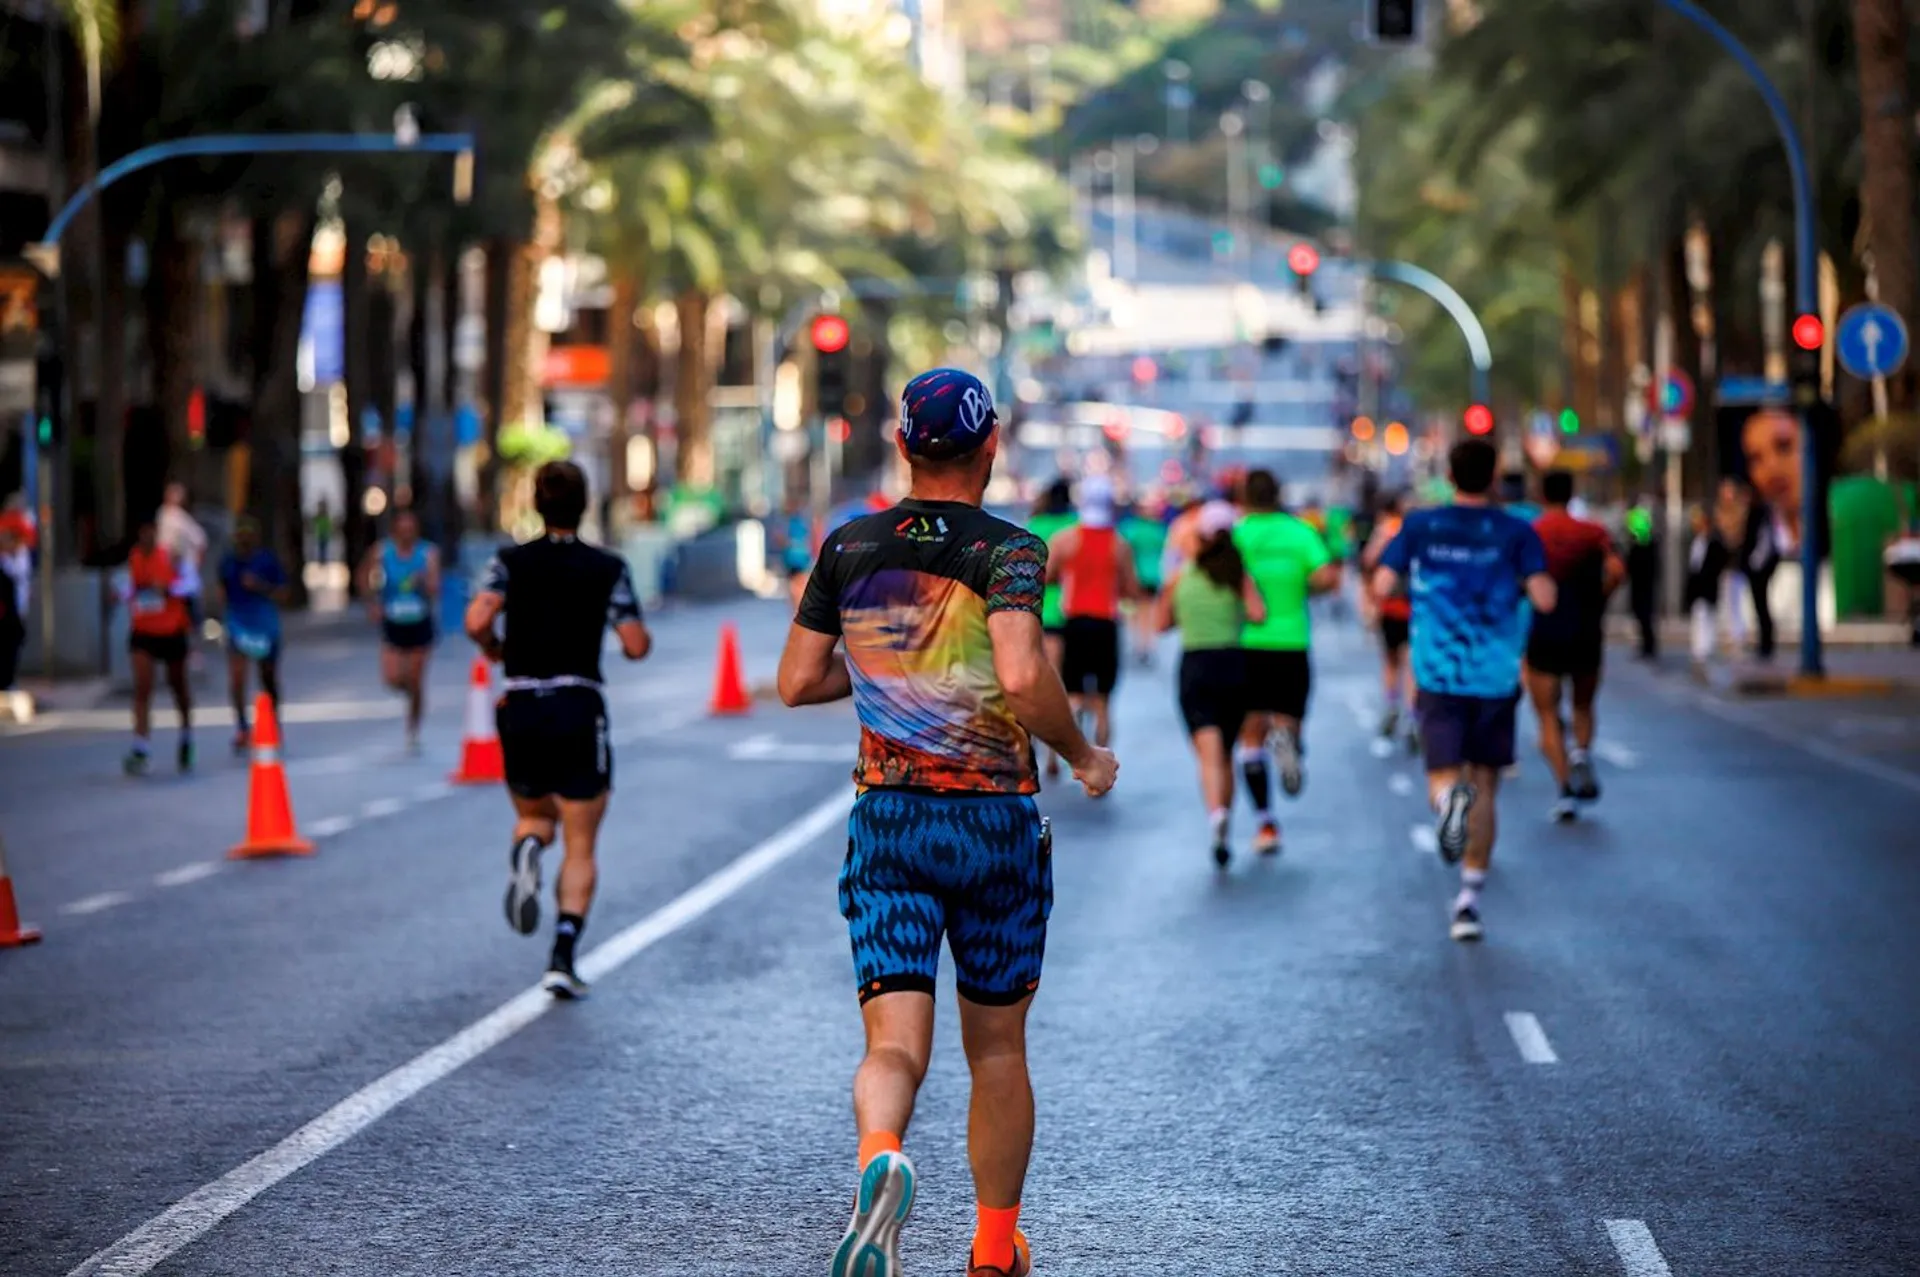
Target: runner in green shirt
(1289,563)
(1147,535)
(1052,515)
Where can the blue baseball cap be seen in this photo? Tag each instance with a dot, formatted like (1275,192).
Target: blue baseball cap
(945,413)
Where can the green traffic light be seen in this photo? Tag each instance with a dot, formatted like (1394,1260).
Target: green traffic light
(46,432)
(1272,176)
(1569,422)
(1223,241)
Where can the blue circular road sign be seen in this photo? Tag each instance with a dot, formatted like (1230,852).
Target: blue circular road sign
(1871,340)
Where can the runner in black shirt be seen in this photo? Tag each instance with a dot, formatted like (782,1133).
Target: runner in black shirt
(558,595)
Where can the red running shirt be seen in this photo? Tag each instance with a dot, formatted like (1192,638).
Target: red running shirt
(1091,582)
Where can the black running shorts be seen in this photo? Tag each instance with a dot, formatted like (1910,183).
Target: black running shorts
(1092,661)
(1394,632)
(1213,690)
(1566,658)
(1278,682)
(555,743)
(169,649)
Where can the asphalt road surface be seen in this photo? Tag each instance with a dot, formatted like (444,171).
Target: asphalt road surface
(1688,1045)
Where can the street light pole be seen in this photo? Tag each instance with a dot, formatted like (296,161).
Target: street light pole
(1260,98)
(1126,256)
(1806,302)
(1235,127)
(1179,98)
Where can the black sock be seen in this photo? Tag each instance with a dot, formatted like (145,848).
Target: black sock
(1259,787)
(566,933)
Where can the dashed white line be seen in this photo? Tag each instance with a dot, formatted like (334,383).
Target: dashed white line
(1530,1038)
(1424,840)
(1639,1253)
(151,1244)
(432,793)
(328,826)
(1616,755)
(95,904)
(375,809)
(1401,784)
(187,873)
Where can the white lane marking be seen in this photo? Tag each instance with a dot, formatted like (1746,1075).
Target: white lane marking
(196,1214)
(1639,1254)
(1401,784)
(1616,755)
(96,904)
(376,808)
(658,727)
(1812,745)
(431,793)
(1530,1038)
(187,873)
(1424,839)
(213,716)
(331,765)
(328,826)
(771,749)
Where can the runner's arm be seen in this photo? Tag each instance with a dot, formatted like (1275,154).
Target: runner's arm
(489,601)
(811,672)
(1614,571)
(1532,561)
(1251,599)
(1167,620)
(623,612)
(1032,686)
(1325,578)
(1130,587)
(433,574)
(1542,592)
(1058,554)
(363,581)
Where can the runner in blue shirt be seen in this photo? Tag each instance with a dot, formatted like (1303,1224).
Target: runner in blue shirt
(1473,571)
(255,585)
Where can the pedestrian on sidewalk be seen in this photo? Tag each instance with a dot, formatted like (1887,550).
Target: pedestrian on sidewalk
(1732,518)
(938,604)
(1643,577)
(1707,559)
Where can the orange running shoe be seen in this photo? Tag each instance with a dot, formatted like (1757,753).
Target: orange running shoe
(1022,1261)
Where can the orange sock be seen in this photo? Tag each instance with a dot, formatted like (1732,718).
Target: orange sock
(993,1237)
(874,1143)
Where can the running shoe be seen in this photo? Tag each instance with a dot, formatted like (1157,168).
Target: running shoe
(413,744)
(1267,841)
(1390,724)
(1581,781)
(1466,924)
(523,886)
(563,982)
(1451,832)
(1565,810)
(1022,1261)
(183,757)
(871,1247)
(136,762)
(1286,751)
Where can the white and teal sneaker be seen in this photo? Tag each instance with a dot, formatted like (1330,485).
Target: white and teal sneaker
(872,1244)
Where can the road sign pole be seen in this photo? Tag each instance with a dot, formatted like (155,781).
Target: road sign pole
(1806,302)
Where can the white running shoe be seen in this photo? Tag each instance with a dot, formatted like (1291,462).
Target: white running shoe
(871,1247)
(1286,751)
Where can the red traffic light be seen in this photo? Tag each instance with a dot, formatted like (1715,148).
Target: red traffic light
(1144,369)
(830,334)
(1303,259)
(1808,332)
(1479,420)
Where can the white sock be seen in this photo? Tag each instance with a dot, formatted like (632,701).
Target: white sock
(1471,880)
(1217,821)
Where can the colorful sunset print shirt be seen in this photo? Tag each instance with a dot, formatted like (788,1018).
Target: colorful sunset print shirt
(909,590)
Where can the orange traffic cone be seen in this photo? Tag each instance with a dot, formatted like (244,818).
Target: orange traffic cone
(481,762)
(729,684)
(270,830)
(13,933)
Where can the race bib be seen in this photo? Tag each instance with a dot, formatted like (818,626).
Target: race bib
(407,609)
(149,602)
(252,644)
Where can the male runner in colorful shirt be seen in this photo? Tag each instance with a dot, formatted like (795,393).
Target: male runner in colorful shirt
(938,605)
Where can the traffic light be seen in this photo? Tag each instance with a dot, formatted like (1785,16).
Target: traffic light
(1394,21)
(47,373)
(1569,422)
(830,338)
(1479,419)
(1808,332)
(1363,429)
(1272,177)
(1396,439)
(1303,259)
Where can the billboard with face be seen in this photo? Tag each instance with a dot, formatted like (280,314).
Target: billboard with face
(1762,447)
